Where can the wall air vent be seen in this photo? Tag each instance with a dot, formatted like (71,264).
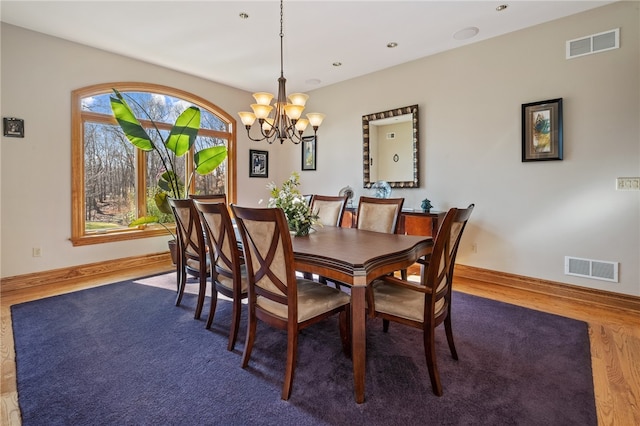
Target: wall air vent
(587,268)
(594,43)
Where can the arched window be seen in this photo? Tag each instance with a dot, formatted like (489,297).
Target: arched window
(113,183)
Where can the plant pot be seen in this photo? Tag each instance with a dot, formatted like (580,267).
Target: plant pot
(173,249)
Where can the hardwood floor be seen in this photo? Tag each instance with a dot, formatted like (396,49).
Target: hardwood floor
(614,334)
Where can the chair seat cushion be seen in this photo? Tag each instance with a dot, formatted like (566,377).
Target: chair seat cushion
(400,301)
(313,299)
(228,282)
(195,264)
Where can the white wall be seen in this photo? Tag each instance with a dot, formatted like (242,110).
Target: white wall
(38,74)
(528,216)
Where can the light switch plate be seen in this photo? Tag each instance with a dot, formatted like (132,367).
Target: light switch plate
(628,184)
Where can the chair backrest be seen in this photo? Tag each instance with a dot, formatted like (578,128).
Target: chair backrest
(212,198)
(379,214)
(268,254)
(329,208)
(459,224)
(188,228)
(438,276)
(221,239)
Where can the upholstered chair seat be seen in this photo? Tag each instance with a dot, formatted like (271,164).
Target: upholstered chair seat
(313,300)
(402,302)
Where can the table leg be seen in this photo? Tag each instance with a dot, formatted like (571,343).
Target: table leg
(358,339)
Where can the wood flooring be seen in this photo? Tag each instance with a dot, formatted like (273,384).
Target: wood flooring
(614,335)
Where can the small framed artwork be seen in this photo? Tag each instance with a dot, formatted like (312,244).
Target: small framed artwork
(13,127)
(542,130)
(309,153)
(258,163)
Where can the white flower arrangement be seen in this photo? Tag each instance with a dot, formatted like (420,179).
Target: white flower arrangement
(289,198)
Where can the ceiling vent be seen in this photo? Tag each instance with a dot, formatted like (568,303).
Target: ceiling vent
(596,269)
(594,43)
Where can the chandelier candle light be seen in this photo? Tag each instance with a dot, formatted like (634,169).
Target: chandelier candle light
(286,122)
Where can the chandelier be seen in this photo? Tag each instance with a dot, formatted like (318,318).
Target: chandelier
(285,122)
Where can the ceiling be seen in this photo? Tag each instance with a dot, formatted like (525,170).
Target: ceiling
(209,39)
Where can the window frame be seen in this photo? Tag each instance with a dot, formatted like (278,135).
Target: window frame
(79,236)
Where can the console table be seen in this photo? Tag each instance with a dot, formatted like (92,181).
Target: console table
(410,222)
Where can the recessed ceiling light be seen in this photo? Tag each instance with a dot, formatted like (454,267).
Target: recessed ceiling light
(337,64)
(244,15)
(502,7)
(392,44)
(466,33)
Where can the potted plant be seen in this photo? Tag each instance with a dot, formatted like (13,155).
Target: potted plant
(179,141)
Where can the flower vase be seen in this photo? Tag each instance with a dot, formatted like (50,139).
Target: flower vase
(301,232)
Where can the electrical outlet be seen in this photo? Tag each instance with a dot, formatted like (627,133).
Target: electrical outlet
(474,248)
(628,184)
(36,252)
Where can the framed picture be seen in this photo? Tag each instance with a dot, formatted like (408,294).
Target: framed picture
(542,130)
(258,163)
(13,127)
(309,153)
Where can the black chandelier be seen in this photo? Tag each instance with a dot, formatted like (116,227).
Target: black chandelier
(286,123)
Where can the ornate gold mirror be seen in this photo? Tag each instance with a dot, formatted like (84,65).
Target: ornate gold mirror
(390,147)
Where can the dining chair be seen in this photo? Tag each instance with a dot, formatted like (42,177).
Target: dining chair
(329,209)
(211,198)
(228,272)
(379,214)
(426,304)
(192,251)
(276,296)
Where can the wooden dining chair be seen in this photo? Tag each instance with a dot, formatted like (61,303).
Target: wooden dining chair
(211,198)
(192,251)
(426,304)
(329,208)
(228,272)
(379,214)
(276,296)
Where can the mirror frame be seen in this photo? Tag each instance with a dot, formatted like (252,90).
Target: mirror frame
(366,119)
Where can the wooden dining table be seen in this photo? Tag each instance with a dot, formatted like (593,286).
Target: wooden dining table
(356,257)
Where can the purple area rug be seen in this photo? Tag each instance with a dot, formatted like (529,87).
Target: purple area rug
(124,354)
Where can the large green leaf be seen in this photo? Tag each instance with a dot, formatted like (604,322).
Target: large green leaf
(208,159)
(130,125)
(162,201)
(144,220)
(184,131)
(167,181)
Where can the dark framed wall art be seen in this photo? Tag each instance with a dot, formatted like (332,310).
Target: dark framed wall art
(308,153)
(258,163)
(542,130)
(13,127)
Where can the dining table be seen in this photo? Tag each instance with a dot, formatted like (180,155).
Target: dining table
(356,258)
